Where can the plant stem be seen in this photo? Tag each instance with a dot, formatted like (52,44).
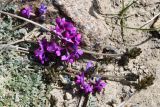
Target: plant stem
(150,20)
(95,53)
(81,101)
(25,19)
(12,43)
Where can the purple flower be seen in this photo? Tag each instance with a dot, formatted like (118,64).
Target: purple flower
(87,88)
(26,12)
(89,65)
(61,32)
(40,53)
(72,56)
(65,57)
(54,48)
(42,9)
(67,46)
(79,79)
(77,39)
(70,39)
(59,29)
(78,53)
(84,86)
(60,22)
(68,26)
(26,0)
(47,50)
(67,31)
(99,85)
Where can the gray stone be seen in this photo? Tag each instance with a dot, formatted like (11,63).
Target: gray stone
(110,67)
(68,96)
(17,97)
(94,31)
(121,69)
(57,98)
(130,65)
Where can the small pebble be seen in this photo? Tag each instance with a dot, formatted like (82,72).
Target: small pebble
(17,97)
(110,67)
(121,69)
(68,96)
(130,65)
(57,2)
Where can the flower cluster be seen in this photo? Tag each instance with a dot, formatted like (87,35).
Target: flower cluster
(47,51)
(27,11)
(70,39)
(40,53)
(89,87)
(65,45)
(42,9)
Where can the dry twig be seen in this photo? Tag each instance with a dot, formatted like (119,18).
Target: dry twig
(124,103)
(150,20)
(80,104)
(22,18)
(95,53)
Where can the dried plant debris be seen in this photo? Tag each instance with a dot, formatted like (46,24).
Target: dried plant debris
(145,82)
(133,53)
(23,84)
(130,54)
(124,60)
(131,77)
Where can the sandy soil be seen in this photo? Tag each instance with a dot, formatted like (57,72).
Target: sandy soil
(102,29)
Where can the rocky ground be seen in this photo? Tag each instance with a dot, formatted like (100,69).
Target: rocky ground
(114,26)
(102,26)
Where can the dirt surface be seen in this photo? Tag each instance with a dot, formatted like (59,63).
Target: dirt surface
(100,21)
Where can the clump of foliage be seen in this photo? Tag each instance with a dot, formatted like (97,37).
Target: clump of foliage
(23,83)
